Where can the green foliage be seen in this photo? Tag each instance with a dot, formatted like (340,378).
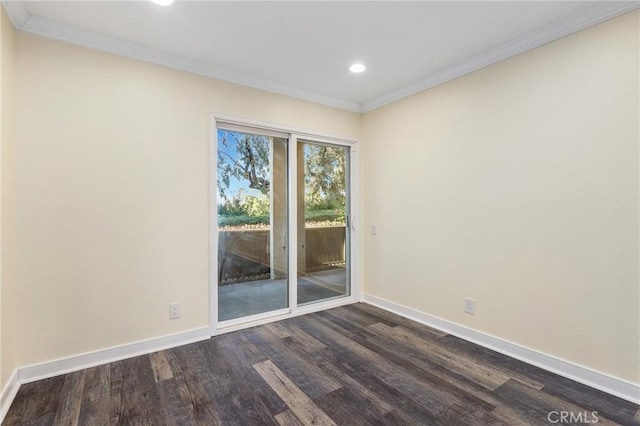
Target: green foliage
(325,177)
(241,220)
(231,207)
(256,206)
(244,157)
(243,164)
(324,216)
(245,205)
(225,219)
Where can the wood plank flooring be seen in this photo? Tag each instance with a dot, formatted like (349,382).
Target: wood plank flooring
(354,365)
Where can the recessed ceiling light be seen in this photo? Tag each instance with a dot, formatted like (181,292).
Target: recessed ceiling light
(357,68)
(163,2)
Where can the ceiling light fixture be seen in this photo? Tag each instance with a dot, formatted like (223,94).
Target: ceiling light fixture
(356,68)
(163,2)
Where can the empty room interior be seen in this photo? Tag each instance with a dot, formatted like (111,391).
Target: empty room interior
(328,213)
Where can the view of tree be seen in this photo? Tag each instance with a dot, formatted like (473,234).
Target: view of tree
(243,164)
(324,177)
(244,157)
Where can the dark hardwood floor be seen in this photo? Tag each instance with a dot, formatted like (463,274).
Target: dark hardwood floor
(355,365)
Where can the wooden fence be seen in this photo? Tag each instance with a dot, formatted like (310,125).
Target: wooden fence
(244,255)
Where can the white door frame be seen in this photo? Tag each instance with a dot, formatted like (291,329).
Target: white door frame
(354,194)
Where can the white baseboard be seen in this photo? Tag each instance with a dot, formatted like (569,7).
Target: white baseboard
(56,367)
(595,379)
(8,394)
(612,385)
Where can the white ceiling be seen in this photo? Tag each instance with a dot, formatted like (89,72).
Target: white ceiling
(304,49)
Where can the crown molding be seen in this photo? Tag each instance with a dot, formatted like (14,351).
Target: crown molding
(17,13)
(603,11)
(59,31)
(592,16)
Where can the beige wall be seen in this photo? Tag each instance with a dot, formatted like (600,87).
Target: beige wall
(517,186)
(113,192)
(2,50)
(8,361)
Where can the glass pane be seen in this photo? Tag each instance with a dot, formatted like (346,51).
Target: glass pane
(323,234)
(252,224)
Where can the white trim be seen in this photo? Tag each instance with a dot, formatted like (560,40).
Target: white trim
(8,394)
(280,128)
(603,11)
(252,319)
(292,222)
(293,136)
(354,228)
(233,127)
(94,40)
(17,13)
(213,227)
(595,379)
(592,16)
(302,310)
(66,365)
(45,370)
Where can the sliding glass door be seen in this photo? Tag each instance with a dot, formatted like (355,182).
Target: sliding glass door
(283,223)
(252,224)
(323,222)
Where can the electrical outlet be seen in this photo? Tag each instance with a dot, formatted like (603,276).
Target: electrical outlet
(374,231)
(468,306)
(174,310)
